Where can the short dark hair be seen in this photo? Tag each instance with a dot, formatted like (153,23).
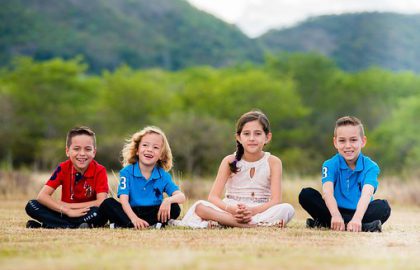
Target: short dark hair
(349,121)
(80,131)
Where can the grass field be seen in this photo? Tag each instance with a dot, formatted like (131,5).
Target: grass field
(295,247)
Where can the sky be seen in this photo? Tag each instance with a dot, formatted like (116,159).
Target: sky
(255,17)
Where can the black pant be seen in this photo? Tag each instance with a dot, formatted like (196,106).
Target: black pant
(52,219)
(112,210)
(311,200)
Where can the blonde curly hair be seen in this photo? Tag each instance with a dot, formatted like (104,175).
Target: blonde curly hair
(129,151)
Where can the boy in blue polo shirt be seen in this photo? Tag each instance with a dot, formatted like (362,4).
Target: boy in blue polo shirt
(349,180)
(147,157)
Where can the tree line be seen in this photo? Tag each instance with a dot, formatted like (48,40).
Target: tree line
(302,94)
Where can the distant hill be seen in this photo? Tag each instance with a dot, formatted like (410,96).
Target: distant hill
(355,41)
(141,33)
(172,34)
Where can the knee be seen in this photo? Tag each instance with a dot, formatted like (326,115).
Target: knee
(107,203)
(289,209)
(305,195)
(200,210)
(286,210)
(387,210)
(31,207)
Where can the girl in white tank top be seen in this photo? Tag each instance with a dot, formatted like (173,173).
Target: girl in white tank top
(252,180)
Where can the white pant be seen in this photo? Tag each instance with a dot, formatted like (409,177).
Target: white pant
(270,217)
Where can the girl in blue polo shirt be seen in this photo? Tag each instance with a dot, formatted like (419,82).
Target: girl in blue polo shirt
(349,180)
(147,158)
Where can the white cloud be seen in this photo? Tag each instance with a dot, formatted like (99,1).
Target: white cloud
(255,17)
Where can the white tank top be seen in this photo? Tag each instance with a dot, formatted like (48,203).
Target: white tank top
(242,185)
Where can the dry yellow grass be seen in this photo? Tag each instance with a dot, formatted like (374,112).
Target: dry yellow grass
(295,247)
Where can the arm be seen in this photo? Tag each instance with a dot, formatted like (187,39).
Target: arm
(355,224)
(164,213)
(45,198)
(137,222)
(215,194)
(337,222)
(100,197)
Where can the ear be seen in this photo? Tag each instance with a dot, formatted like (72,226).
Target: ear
(364,141)
(67,151)
(238,138)
(94,152)
(335,142)
(268,137)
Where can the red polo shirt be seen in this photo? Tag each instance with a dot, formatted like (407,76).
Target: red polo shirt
(93,181)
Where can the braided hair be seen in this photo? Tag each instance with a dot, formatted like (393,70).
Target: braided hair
(245,118)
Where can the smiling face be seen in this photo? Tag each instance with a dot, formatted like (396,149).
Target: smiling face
(81,152)
(150,149)
(253,138)
(349,142)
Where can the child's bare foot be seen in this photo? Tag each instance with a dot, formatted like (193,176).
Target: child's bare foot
(213,224)
(282,224)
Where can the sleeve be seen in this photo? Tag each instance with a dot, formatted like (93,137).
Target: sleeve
(102,182)
(371,177)
(124,185)
(170,186)
(328,172)
(56,178)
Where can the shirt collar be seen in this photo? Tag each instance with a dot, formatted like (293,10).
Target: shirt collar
(359,163)
(155,173)
(90,171)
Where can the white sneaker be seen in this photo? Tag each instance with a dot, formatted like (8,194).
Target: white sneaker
(175,222)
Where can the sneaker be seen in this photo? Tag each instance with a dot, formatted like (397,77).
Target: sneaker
(85,225)
(313,223)
(175,223)
(374,226)
(32,224)
(156,226)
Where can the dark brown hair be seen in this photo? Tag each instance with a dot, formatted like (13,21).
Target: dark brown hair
(80,131)
(245,118)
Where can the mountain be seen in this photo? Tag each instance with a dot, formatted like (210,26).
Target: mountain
(141,33)
(172,34)
(355,41)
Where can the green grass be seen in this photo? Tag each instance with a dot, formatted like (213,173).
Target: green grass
(294,247)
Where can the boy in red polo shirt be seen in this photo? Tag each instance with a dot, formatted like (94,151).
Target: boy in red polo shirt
(84,185)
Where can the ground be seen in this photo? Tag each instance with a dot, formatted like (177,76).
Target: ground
(295,247)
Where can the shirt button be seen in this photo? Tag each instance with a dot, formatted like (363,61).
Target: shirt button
(144,188)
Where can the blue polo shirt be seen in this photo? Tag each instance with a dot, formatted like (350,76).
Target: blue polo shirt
(142,191)
(348,183)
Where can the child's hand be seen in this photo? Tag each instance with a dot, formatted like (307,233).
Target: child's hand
(76,212)
(164,213)
(139,223)
(355,225)
(243,214)
(337,223)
